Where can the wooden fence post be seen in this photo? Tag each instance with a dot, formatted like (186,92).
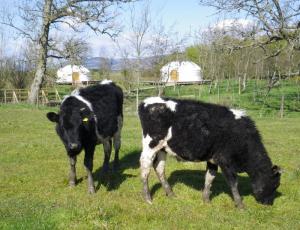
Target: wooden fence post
(44,98)
(15,98)
(210,86)
(227,87)
(244,81)
(5,96)
(37,98)
(282,107)
(239,85)
(200,91)
(57,97)
(218,93)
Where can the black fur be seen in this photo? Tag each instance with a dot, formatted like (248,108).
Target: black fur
(209,132)
(81,127)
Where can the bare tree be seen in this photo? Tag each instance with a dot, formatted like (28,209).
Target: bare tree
(105,67)
(16,68)
(140,22)
(126,65)
(73,49)
(42,16)
(276,20)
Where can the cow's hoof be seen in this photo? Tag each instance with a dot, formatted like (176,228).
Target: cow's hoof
(205,199)
(205,196)
(105,169)
(148,199)
(171,194)
(72,184)
(92,190)
(116,167)
(240,206)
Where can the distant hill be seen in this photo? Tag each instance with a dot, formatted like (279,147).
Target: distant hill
(117,64)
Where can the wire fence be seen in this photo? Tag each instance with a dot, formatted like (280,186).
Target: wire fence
(258,96)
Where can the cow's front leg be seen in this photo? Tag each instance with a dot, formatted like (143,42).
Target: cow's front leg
(72,175)
(117,143)
(146,161)
(231,179)
(107,143)
(88,163)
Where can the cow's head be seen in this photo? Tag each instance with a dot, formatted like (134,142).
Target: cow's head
(74,124)
(265,188)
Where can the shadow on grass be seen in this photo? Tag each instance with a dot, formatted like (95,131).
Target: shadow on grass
(113,179)
(196,179)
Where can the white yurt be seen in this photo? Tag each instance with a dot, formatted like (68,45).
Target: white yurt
(72,74)
(184,71)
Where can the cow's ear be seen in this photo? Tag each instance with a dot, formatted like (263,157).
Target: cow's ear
(54,117)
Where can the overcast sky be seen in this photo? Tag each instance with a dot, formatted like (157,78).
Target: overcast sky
(186,17)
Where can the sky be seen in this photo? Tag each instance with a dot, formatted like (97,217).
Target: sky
(185,16)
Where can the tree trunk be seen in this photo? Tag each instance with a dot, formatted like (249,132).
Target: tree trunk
(42,57)
(38,80)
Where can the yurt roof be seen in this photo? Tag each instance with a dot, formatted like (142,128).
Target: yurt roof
(69,69)
(180,65)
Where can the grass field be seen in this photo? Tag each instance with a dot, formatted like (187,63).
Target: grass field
(34,191)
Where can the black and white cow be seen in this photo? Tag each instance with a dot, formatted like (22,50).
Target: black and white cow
(198,131)
(90,116)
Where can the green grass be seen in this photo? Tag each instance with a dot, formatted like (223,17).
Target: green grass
(34,191)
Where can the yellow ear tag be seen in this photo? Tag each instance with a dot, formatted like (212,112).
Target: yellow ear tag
(85,119)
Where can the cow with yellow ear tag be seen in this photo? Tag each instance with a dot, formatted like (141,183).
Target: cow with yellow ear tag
(87,117)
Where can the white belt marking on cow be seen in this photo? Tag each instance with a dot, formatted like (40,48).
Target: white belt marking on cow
(87,103)
(105,82)
(158,100)
(238,113)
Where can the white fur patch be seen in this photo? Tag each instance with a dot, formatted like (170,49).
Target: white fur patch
(75,93)
(238,114)
(105,82)
(148,154)
(162,144)
(209,177)
(211,161)
(80,98)
(158,100)
(167,147)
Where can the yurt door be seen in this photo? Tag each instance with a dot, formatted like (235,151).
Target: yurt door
(174,75)
(75,77)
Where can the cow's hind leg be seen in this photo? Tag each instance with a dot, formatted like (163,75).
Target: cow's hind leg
(72,175)
(107,143)
(231,178)
(159,167)
(211,172)
(117,143)
(88,163)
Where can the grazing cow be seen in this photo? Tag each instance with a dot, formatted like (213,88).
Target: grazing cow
(198,131)
(90,116)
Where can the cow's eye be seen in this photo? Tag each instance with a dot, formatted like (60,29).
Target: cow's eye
(85,119)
